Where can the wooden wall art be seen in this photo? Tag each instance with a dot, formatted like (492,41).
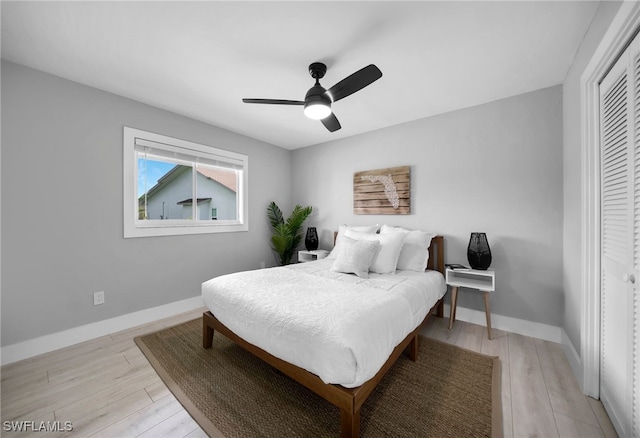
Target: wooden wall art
(382,191)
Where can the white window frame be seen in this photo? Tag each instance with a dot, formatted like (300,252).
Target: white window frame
(134,227)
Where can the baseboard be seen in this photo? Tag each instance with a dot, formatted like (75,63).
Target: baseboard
(54,341)
(573,357)
(507,323)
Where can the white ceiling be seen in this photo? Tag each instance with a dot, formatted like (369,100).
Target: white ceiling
(200,59)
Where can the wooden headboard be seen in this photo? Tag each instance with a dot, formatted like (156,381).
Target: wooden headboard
(436,253)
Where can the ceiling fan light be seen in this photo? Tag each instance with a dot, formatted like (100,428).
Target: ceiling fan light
(317,110)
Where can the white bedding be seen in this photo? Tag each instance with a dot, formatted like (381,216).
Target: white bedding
(338,326)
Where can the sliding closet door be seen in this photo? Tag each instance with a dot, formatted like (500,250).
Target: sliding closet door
(620,195)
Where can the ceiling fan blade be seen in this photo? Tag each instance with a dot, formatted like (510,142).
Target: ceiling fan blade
(355,82)
(331,122)
(274,101)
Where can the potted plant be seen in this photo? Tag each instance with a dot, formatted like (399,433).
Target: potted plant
(287,235)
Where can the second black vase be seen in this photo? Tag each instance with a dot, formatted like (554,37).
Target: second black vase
(478,251)
(311,239)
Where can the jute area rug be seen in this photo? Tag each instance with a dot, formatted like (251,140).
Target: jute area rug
(447,392)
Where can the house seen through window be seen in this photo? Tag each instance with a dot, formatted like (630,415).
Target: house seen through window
(181,187)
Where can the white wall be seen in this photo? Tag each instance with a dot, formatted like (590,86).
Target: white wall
(62,223)
(495,168)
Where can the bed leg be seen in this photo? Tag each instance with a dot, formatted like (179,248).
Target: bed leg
(413,348)
(349,424)
(207,333)
(440,309)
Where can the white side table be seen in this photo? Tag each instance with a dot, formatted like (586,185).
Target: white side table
(310,256)
(483,281)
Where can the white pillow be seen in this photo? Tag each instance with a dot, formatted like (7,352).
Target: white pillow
(386,258)
(414,254)
(341,230)
(355,257)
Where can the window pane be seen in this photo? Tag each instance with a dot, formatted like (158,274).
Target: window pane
(165,190)
(177,187)
(217,193)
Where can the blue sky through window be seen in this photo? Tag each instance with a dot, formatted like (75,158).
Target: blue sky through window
(153,172)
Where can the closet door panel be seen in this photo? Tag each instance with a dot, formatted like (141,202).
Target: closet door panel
(617,122)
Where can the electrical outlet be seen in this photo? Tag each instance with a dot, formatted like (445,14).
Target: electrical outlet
(98,298)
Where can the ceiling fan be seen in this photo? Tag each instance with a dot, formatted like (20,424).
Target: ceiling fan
(318,100)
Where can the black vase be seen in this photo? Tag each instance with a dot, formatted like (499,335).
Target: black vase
(478,251)
(311,239)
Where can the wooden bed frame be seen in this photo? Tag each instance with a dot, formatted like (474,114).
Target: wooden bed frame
(349,400)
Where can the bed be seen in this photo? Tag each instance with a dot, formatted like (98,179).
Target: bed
(340,353)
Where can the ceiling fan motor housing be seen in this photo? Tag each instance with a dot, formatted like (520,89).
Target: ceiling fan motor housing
(317,94)
(317,103)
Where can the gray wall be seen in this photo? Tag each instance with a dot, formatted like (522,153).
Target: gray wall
(572,168)
(495,168)
(62,225)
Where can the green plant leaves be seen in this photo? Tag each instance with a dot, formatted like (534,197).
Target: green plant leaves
(274,214)
(287,235)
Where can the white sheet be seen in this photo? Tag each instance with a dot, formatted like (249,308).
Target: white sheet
(338,326)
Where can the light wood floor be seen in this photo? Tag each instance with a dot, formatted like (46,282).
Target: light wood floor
(106,388)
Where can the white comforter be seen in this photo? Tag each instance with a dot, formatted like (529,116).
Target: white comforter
(338,326)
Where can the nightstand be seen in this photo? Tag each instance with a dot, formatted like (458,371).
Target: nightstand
(483,281)
(310,256)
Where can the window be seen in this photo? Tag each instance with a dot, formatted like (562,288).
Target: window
(173,186)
